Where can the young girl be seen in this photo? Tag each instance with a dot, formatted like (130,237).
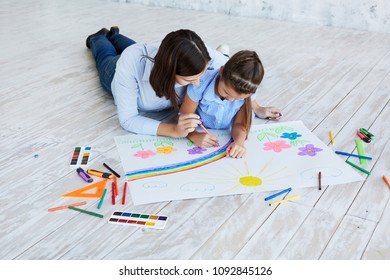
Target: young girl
(224,101)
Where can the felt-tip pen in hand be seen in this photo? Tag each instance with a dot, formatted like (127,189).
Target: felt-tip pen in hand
(84,175)
(100,173)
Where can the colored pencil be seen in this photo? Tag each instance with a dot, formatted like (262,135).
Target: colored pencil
(285,200)
(102,199)
(124,194)
(66,206)
(352,155)
(319,180)
(112,170)
(113,193)
(331,137)
(205,130)
(86,212)
(358,167)
(386,181)
(277,194)
(116,186)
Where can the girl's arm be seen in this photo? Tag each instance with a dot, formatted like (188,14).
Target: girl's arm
(200,139)
(237,148)
(266,112)
(188,106)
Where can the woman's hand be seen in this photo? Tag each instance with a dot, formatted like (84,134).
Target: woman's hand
(186,124)
(203,140)
(236,150)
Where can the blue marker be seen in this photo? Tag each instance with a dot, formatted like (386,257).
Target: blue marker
(277,194)
(352,155)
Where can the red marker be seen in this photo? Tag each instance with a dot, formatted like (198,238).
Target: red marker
(124,194)
(363,137)
(113,193)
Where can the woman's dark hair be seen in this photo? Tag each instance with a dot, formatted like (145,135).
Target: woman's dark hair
(244,72)
(181,52)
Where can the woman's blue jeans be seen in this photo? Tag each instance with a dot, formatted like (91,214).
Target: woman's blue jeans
(106,53)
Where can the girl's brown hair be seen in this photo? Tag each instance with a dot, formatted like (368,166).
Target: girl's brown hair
(181,52)
(244,72)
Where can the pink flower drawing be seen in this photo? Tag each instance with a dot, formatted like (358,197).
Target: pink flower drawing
(276,146)
(144,154)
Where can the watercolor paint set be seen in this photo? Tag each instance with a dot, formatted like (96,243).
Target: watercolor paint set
(81,155)
(138,220)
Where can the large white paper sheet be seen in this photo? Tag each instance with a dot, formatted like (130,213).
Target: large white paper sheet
(279,155)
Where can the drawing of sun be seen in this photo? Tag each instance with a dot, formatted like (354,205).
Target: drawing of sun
(240,179)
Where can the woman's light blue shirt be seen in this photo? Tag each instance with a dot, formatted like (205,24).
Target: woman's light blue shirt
(133,93)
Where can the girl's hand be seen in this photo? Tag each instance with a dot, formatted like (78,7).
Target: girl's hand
(203,140)
(186,124)
(271,113)
(236,150)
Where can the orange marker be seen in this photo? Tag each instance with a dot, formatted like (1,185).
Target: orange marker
(116,186)
(386,181)
(66,206)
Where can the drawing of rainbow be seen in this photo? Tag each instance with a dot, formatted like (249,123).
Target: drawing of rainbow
(178,167)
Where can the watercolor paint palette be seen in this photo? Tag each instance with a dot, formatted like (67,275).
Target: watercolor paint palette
(138,220)
(81,155)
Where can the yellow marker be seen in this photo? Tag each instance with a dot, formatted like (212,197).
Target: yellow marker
(285,200)
(331,137)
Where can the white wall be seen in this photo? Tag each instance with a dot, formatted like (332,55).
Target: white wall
(371,15)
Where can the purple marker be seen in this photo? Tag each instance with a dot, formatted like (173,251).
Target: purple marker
(84,175)
(271,118)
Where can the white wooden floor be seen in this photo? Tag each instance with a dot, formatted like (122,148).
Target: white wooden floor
(51,101)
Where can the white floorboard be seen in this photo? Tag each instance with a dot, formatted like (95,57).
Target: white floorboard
(51,101)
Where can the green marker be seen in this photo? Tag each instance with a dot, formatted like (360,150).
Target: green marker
(101,199)
(86,212)
(358,167)
(361,151)
(367,133)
